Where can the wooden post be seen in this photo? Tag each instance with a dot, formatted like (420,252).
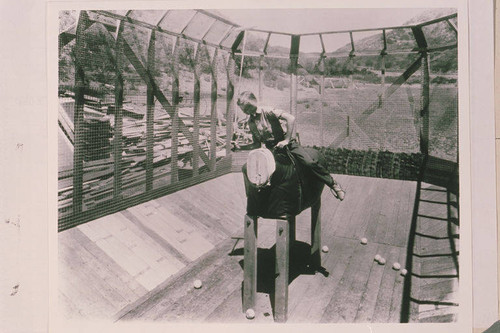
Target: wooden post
(316,234)
(261,79)
(382,70)
(250,263)
(322,101)
(230,68)
(424,114)
(294,59)
(282,270)
(78,121)
(118,129)
(424,136)
(150,113)
(213,111)
(196,110)
(175,111)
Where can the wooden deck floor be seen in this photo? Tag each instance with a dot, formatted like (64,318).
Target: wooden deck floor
(140,264)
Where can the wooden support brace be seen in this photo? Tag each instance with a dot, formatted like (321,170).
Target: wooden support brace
(174,114)
(316,234)
(282,270)
(250,263)
(424,134)
(230,67)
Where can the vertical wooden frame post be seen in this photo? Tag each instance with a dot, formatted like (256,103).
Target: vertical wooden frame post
(250,263)
(230,68)
(424,113)
(282,270)
(175,111)
(213,111)
(424,137)
(382,70)
(322,100)
(78,121)
(261,78)
(316,234)
(150,113)
(118,129)
(294,59)
(196,109)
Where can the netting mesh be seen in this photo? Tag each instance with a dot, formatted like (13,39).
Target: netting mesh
(344,101)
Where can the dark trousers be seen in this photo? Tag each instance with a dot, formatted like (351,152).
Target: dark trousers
(303,157)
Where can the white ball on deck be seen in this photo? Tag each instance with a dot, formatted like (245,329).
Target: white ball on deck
(396,266)
(197,284)
(191,129)
(250,314)
(382,261)
(404,272)
(364,241)
(378,257)
(325,249)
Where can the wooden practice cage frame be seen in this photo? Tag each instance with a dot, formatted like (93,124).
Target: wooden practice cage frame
(229,43)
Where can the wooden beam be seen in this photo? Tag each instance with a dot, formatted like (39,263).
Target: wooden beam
(230,68)
(424,134)
(196,108)
(264,50)
(213,111)
(282,271)
(150,113)
(250,262)
(174,115)
(157,28)
(453,27)
(322,100)
(261,79)
(294,59)
(419,37)
(80,88)
(118,128)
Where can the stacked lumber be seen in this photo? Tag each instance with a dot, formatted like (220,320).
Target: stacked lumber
(98,180)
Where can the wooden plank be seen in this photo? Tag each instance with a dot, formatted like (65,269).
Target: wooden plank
(345,301)
(178,300)
(88,290)
(250,262)
(368,301)
(155,224)
(387,287)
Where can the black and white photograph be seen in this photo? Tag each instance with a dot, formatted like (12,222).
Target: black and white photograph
(259,165)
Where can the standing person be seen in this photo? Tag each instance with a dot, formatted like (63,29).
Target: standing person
(266,129)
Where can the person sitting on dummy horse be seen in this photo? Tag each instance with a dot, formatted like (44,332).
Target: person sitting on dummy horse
(266,129)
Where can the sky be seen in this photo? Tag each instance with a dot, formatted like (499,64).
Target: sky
(318,20)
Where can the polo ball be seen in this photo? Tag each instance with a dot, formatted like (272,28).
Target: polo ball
(250,314)
(197,284)
(396,266)
(378,257)
(382,261)
(325,249)
(404,272)
(364,241)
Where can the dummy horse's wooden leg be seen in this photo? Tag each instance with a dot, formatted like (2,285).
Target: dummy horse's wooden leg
(250,263)
(282,270)
(316,234)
